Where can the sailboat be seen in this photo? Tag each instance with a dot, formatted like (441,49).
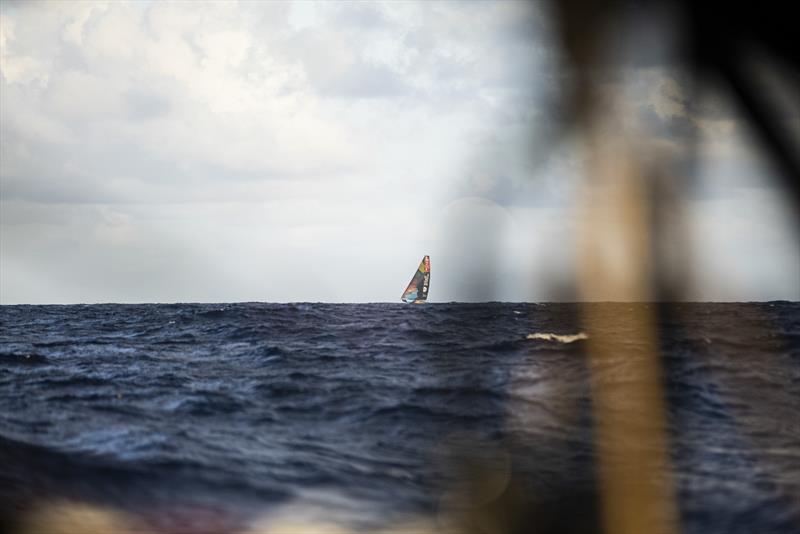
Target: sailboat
(417,290)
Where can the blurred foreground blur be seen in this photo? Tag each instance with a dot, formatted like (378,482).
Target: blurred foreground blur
(634,239)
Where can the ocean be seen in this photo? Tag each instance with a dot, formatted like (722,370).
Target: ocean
(221,417)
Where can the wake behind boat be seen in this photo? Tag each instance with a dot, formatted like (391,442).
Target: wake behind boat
(417,290)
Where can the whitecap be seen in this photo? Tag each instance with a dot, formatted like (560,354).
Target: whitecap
(561,338)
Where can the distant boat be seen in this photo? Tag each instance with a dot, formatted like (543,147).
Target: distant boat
(417,290)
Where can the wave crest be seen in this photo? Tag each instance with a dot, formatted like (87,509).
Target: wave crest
(560,338)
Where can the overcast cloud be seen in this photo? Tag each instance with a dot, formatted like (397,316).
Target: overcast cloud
(315,152)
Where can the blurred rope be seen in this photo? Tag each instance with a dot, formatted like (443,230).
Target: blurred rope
(621,256)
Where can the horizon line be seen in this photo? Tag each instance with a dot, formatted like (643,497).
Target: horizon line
(399,303)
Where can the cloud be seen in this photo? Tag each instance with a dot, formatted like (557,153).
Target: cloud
(155,152)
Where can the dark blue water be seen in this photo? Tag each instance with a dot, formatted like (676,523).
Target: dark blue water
(369,414)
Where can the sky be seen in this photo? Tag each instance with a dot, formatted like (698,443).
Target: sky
(265,151)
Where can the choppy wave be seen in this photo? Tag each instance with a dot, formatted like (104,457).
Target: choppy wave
(239,409)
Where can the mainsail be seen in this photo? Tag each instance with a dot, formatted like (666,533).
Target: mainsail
(417,290)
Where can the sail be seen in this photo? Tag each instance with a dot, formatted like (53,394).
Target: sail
(417,290)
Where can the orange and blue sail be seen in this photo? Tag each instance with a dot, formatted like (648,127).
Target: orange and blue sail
(417,290)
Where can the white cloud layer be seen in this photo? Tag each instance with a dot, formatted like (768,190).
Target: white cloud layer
(310,152)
